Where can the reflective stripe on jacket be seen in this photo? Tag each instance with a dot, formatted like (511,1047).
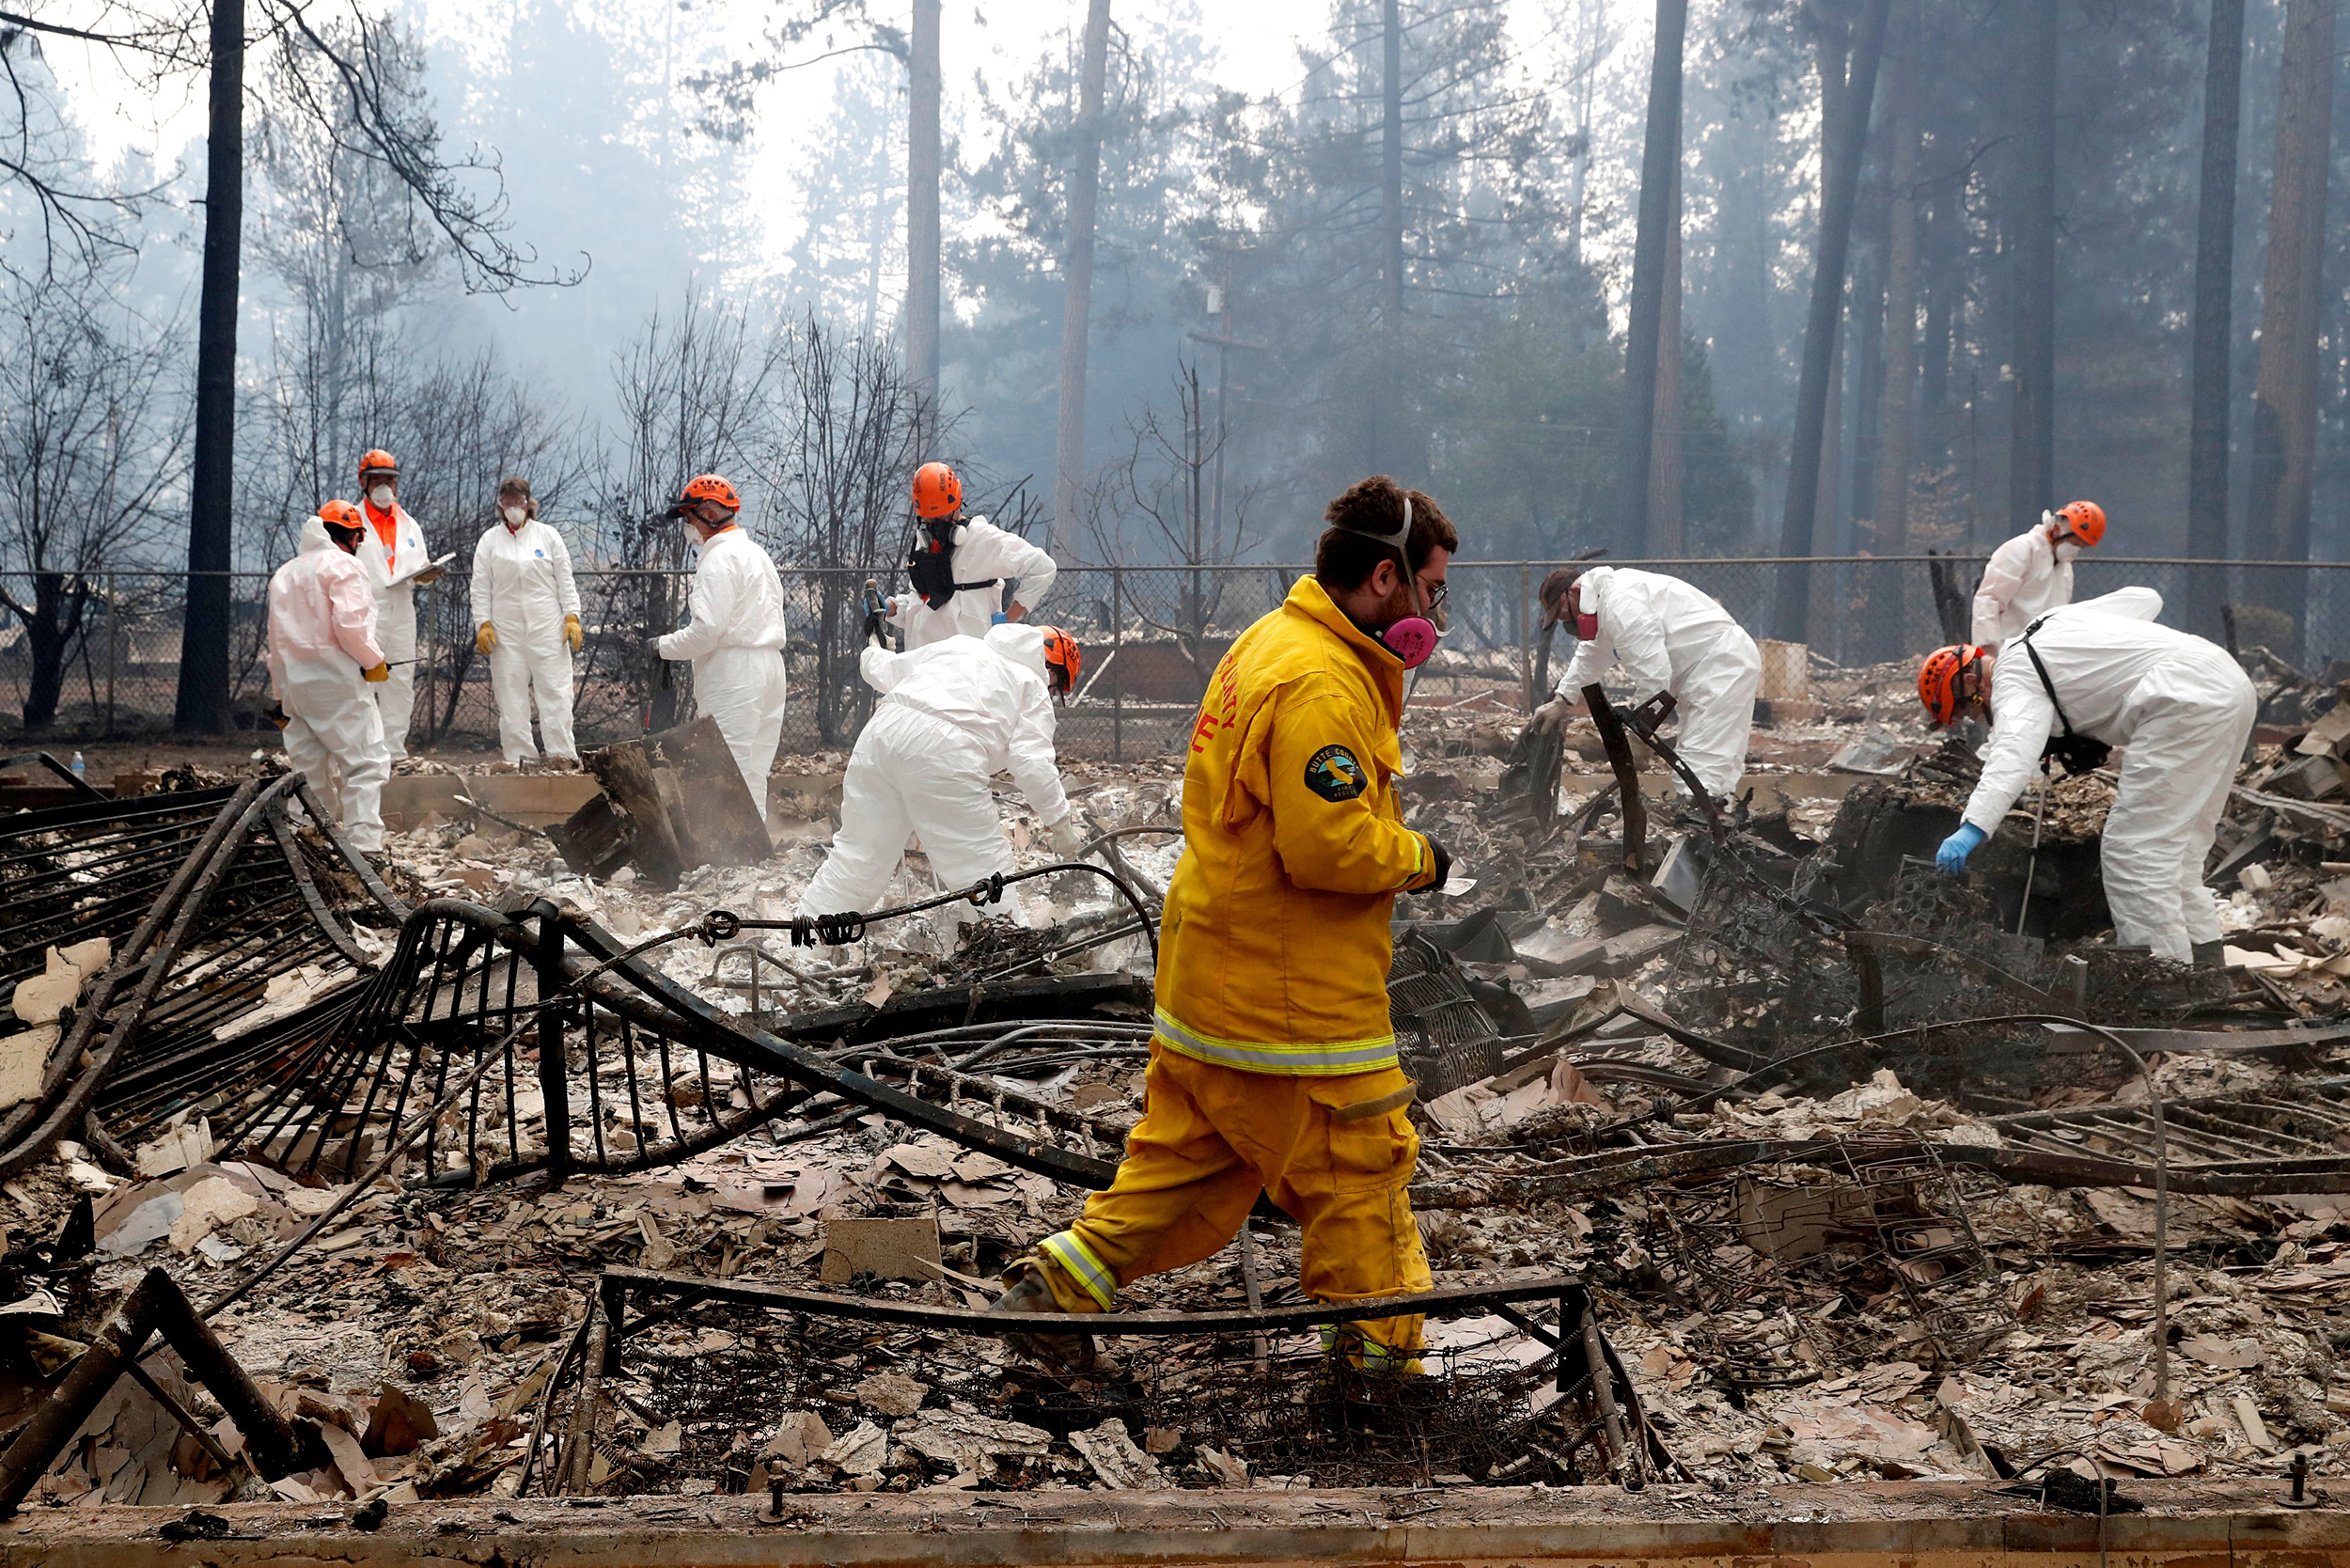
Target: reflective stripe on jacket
(1274,950)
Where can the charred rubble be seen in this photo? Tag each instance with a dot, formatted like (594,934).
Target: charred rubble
(1753,1151)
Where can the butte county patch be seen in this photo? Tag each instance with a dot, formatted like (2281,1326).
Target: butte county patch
(1333,773)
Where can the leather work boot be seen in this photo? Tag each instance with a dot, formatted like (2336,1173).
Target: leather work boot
(1030,1294)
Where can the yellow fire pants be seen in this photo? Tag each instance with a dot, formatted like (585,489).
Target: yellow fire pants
(1334,1153)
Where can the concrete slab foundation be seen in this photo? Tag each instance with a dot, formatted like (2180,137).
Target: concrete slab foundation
(2186,1524)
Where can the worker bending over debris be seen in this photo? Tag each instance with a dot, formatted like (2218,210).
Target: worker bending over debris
(952,715)
(2090,676)
(960,565)
(525,611)
(1272,1067)
(2032,573)
(733,631)
(398,563)
(1668,636)
(322,657)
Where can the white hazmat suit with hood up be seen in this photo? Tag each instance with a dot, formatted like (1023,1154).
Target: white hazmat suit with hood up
(2182,708)
(734,634)
(952,715)
(985,556)
(2025,579)
(523,587)
(1670,636)
(322,636)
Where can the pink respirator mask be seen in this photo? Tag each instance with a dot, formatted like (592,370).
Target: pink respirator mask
(1413,639)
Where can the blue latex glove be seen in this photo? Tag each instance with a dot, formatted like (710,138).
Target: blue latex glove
(999,619)
(1950,859)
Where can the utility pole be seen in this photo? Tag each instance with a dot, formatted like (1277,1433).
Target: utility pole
(1076,322)
(1660,163)
(2214,283)
(202,704)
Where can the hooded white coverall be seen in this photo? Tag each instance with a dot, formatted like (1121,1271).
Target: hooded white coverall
(952,715)
(391,575)
(522,586)
(2025,579)
(322,636)
(734,635)
(985,555)
(2184,709)
(1670,636)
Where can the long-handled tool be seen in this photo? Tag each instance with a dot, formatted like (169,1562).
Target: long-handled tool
(2031,867)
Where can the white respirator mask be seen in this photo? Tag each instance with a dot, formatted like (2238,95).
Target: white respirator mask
(515,516)
(381,495)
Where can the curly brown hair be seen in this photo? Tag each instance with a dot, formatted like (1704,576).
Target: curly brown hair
(1349,550)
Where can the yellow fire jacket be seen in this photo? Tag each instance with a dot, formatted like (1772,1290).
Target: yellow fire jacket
(1273,953)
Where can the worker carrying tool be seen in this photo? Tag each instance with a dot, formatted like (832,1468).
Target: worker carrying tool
(958,566)
(525,612)
(323,657)
(393,551)
(734,630)
(2085,677)
(2032,573)
(1272,1067)
(1668,636)
(952,715)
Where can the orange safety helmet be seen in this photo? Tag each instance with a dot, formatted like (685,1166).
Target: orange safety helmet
(1939,681)
(708,487)
(937,492)
(377,461)
(340,515)
(2085,521)
(1062,660)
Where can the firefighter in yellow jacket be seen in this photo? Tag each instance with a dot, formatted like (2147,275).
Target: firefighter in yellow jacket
(1272,1067)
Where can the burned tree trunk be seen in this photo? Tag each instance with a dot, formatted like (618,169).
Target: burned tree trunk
(1840,186)
(2214,283)
(2284,405)
(1665,519)
(1069,446)
(2031,464)
(922,199)
(202,704)
(1886,617)
(1660,165)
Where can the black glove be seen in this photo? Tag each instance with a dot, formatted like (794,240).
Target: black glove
(278,716)
(1442,857)
(877,629)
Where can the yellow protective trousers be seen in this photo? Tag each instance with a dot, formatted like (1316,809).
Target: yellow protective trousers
(1334,1153)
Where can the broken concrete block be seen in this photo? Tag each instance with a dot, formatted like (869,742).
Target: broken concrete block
(798,1439)
(1111,1451)
(970,1441)
(210,1202)
(1621,955)
(888,1248)
(2320,777)
(43,998)
(21,1058)
(862,1452)
(892,1393)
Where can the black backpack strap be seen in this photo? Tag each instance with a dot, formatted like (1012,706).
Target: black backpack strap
(2041,670)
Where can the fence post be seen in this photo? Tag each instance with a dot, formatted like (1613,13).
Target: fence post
(1525,631)
(113,651)
(1118,640)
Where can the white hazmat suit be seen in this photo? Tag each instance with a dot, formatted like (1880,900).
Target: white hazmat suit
(1670,636)
(523,587)
(2182,708)
(2025,579)
(392,576)
(952,715)
(734,635)
(322,636)
(985,555)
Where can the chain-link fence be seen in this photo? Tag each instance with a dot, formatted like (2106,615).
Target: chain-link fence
(101,655)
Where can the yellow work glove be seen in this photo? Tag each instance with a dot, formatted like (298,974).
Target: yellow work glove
(377,673)
(485,640)
(572,633)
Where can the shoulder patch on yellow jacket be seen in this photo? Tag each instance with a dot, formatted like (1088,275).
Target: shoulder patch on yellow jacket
(1335,774)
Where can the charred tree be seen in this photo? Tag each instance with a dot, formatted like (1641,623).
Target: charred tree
(1077,280)
(2284,398)
(2031,464)
(1665,541)
(2214,282)
(1887,619)
(1660,163)
(1391,164)
(922,273)
(1850,101)
(202,704)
